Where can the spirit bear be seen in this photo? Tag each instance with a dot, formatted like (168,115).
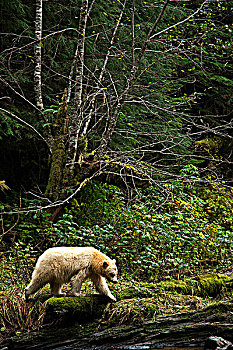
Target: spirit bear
(60,265)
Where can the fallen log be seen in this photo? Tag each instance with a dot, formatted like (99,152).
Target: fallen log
(68,310)
(184,329)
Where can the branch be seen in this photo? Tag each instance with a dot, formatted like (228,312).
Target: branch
(181,22)
(107,136)
(56,203)
(20,95)
(27,124)
(35,40)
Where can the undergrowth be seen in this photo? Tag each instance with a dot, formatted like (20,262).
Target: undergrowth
(189,232)
(140,310)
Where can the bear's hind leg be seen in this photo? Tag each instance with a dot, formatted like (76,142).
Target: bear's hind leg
(101,286)
(55,288)
(33,287)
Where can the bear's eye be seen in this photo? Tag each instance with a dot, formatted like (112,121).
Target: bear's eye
(112,275)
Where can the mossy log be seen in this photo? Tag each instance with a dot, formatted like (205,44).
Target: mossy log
(206,285)
(91,307)
(183,329)
(75,309)
(73,329)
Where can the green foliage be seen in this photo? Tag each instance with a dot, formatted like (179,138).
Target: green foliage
(209,43)
(9,127)
(189,232)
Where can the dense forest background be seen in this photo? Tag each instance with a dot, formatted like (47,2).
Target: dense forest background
(116,132)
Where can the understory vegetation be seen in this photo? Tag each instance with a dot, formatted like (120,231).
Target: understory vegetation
(181,230)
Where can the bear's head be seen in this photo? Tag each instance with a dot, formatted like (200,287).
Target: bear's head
(110,270)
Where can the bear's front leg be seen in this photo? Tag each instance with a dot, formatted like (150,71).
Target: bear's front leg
(102,287)
(55,288)
(76,282)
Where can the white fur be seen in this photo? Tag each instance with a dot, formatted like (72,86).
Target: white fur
(60,265)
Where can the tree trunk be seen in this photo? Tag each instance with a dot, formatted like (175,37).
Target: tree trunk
(57,169)
(78,115)
(38,47)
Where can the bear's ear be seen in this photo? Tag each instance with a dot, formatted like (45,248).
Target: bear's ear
(105,264)
(114,261)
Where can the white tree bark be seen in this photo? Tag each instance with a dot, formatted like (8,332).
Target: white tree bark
(77,116)
(38,47)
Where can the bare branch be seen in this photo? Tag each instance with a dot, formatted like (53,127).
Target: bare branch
(25,123)
(181,22)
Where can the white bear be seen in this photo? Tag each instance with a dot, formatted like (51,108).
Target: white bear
(60,265)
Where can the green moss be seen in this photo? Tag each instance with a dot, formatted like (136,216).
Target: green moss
(211,284)
(134,292)
(207,285)
(59,126)
(73,309)
(82,144)
(56,172)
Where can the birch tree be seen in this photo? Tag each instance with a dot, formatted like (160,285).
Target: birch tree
(38,55)
(78,88)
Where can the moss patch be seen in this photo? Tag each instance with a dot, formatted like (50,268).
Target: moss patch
(209,285)
(206,285)
(75,309)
